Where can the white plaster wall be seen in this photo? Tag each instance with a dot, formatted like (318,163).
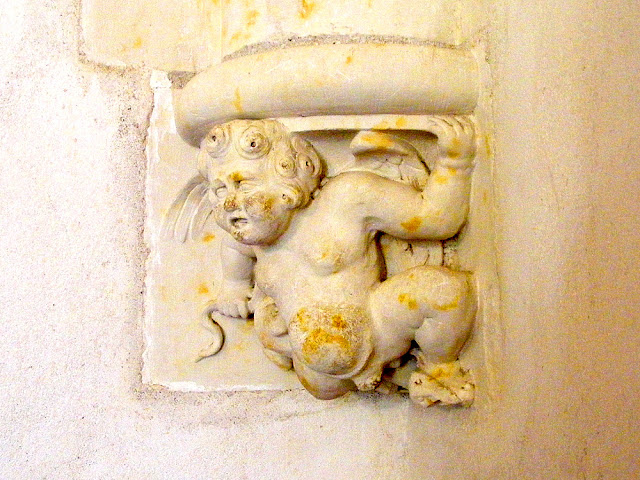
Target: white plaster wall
(567,176)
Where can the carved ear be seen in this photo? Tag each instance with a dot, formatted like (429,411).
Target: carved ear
(388,156)
(292,196)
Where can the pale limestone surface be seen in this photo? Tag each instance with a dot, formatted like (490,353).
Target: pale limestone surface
(183,277)
(164,34)
(71,406)
(190,36)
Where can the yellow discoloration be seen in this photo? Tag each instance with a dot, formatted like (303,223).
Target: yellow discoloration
(487,144)
(208,237)
(445,307)
(455,148)
(443,371)
(338,322)
(319,338)
(137,43)
(236,177)
(408,300)
(349,60)
(383,125)
(380,141)
(441,179)
(401,122)
(412,224)
(203,289)
(247,327)
(251,18)
(330,339)
(452,171)
(306,9)
(268,204)
(237,102)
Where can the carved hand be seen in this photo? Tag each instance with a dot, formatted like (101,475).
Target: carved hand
(456,140)
(233,299)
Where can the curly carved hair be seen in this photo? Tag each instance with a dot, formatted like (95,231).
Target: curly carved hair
(291,160)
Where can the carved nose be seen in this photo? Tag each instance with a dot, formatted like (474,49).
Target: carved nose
(230,204)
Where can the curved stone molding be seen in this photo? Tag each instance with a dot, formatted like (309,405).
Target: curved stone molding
(320,80)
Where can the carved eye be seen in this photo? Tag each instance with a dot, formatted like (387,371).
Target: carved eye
(217,141)
(246,186)
(219,190)
(253,143)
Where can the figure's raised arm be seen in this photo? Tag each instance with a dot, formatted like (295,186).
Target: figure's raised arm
(439,210)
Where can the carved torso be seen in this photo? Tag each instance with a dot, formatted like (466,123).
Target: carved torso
(323,255)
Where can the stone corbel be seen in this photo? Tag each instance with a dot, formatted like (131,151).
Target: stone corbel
(336,173)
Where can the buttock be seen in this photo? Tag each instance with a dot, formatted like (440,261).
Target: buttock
(331,339)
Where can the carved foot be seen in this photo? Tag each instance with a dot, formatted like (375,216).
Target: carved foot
(445,383)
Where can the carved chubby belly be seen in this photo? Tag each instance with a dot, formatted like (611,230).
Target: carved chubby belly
(331,339)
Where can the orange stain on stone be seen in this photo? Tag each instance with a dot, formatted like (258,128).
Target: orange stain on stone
(208,237)
(401,122)
(338,322)
(237,176)
(408,300)
(237,102)
(202,289)
(412,225)
(445,307)
(251,18)
(306,9)
(441,179)
(455,149)
(319,338)
(137,43)
(378,140)
(349,60)
(487,145)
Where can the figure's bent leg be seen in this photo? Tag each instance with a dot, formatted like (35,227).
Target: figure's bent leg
(434,306)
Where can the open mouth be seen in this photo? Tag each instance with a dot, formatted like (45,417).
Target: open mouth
(238,222)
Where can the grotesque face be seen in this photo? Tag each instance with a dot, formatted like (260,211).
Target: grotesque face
(244,162)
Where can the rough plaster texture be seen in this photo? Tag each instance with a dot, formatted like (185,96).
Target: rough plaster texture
(566,176)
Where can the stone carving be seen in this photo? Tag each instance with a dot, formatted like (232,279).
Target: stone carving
(312,257)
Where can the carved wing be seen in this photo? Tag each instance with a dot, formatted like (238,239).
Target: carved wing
(189,211)
(388,156)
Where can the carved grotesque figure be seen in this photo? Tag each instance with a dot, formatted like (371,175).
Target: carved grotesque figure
(306,260)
